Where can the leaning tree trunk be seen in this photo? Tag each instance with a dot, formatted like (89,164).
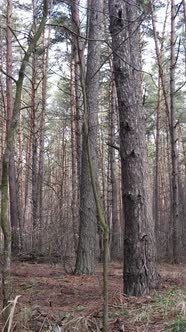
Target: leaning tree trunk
(139,238)
(6,159)
(86,255)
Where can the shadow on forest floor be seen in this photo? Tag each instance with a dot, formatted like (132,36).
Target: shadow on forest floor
(53,301)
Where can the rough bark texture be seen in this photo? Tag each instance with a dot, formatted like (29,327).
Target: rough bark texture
(14,206)
(35,202)
(173,136)
(115,242)
(7,164)
(27,171)
(9,104)
(6,228)
(86,255)
(78,50)
(76,120)
(139,239)
(41,138)
(156,182)
(74,201)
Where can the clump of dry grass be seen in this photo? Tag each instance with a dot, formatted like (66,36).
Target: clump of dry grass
(81,323)
(11,307)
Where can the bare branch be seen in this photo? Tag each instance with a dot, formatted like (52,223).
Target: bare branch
(178,9)
(9,76)
(179,44)
(12,31)
(180,87)
(113,146)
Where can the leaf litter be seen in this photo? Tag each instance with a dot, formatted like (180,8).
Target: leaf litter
(52,301)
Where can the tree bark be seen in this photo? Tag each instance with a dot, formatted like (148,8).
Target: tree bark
(74,201)
(78,51)
(173,136)
(86,255)
(158,124)
(35,196)
(139,239)
(6,159)
(13,189)
(41,138)
(184,15)
(115,236)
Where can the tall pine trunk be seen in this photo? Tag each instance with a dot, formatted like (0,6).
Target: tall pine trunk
(115,236)
(160,55)
(74,199)
(9,103)
(139,239)
(86,255)
(41,139)
(173,136)
(35,196)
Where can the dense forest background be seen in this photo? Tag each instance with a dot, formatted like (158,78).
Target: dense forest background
(93,135)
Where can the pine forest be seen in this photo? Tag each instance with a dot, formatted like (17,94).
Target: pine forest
(92,165)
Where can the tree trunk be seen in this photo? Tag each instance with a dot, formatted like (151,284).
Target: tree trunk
(158,124)
(9,103)
(20,201)
(34,155)
(6,159)
(184,15)
(27,169)
(173,136)
(78,50)
(156,182)
(74,202)
(41,139)
(159,60)
(139,239)
(86,255)
(115,236)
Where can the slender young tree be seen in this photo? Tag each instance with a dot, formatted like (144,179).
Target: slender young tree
(158,126)
(139,239)
(161,71)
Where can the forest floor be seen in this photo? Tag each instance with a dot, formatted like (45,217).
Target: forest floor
(52,300)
